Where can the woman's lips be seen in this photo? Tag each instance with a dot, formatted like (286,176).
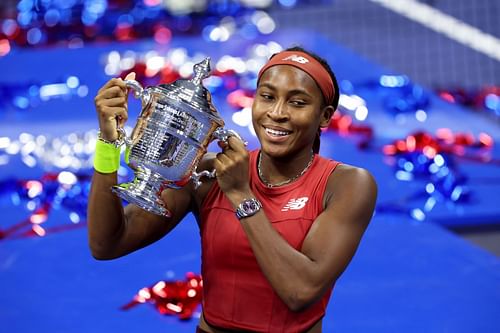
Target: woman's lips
(277,135)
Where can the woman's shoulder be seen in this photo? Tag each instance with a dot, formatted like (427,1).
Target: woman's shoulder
(351,175)
(350,180)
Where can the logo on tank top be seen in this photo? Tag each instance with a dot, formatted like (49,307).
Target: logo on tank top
(297,58)
(295,204)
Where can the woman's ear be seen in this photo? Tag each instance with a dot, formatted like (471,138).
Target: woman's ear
(326,116)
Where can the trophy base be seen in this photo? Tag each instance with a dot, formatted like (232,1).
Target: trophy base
(144,191)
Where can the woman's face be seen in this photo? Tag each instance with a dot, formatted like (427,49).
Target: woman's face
(287,112)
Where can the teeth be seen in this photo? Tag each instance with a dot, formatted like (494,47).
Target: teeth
(276,133)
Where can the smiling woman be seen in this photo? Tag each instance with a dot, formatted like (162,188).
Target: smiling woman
(296,239)
(279,224)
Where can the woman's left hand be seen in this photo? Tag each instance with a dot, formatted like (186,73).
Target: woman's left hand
(231,167)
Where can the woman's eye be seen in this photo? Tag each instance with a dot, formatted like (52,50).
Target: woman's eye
(266,96)
(298,103)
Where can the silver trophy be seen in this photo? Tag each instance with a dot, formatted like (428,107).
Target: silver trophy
(171,135)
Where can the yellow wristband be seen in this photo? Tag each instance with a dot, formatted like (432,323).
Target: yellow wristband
(106,157)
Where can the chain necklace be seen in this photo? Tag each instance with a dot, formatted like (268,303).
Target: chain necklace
(289,180)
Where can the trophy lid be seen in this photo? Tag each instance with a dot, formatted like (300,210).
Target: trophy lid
(192,91)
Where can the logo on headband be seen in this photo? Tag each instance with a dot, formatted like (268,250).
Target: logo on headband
(297,58)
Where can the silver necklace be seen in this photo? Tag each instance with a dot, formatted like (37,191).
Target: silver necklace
(289,180)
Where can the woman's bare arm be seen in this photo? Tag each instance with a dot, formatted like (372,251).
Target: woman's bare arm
(115,231)
(301,277)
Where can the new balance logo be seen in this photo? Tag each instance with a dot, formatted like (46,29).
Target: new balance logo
(295,204)
(297,58)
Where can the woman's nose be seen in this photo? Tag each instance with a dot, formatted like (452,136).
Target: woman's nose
(278,111)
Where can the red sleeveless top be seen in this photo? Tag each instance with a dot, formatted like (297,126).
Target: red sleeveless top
(236,294)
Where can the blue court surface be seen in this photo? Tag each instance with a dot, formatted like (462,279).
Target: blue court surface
(410,274)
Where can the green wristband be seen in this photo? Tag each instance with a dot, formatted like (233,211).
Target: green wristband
(106,157)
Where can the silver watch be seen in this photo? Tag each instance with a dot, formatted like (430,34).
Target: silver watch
(248,207)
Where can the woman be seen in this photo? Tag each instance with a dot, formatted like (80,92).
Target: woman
(279,225)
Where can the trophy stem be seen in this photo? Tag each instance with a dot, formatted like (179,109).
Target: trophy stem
(144,191)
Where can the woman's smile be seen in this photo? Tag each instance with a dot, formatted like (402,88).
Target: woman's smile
(276,134)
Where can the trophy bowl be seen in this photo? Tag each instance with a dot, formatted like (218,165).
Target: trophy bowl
(174,128)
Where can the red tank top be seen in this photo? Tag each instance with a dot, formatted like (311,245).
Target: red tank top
(236,294)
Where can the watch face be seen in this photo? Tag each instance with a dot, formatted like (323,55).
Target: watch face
(250,206)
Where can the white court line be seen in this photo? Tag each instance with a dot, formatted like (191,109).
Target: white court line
(445,24)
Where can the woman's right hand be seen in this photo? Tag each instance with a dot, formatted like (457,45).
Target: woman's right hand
(111,106)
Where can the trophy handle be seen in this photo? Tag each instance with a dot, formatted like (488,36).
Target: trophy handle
(223,135)
(195,177)
(139,92)
(220,134)
(136,87)
(144,96)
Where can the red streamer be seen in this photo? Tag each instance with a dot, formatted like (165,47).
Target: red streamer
(179,298)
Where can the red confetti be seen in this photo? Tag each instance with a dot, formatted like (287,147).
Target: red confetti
(344,125)
(445,141)
(475,99)
(179,298)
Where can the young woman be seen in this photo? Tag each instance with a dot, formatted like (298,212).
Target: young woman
(279,224)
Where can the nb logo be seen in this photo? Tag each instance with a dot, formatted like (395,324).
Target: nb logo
(297,58)
(295,204)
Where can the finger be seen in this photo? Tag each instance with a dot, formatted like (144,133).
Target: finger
(113,91)
(236,144)
(222,163)
(222,144)
(232,154)
(113,82)
(130,76)
(223,158)
(218,164)
(236,157)
(109,112)
(115,101)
